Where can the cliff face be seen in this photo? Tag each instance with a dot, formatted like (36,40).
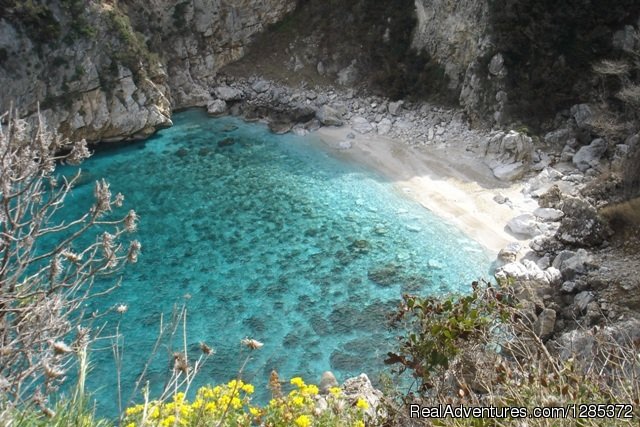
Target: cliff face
(111,70)
(523,58)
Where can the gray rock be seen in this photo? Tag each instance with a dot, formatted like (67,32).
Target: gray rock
(509,172)
(384,126)
(361,125)
(344,145)
(575,265)
(348,75)
(360,387)
(217,107)
(327,382)
(545,324)
(589,156)
(496,66)
(548,214)
(582,114)
(395,108)
(510,252)
(500,199)
(558,137)
(260,86)
(559,260)
(525,224)
(582,299)
(228,93)
(581,226)
(329,116)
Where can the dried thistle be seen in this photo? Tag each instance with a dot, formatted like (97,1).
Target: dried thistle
(251,343)
(79,152)
(275,385)
(206,349)
(59,347)
(134,251)
(122,308)
(180,363)
(131,221)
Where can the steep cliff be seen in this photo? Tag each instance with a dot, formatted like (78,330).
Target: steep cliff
(106,70)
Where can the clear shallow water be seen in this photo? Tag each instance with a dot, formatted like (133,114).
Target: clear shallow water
(271,238)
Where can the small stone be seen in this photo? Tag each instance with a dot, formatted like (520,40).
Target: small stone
(327,382)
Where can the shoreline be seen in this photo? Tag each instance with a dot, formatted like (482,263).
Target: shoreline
(461,193)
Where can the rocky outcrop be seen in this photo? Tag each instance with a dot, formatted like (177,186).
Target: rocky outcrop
(105,71)
(509,154)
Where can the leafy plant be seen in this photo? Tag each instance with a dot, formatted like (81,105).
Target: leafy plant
(436,330)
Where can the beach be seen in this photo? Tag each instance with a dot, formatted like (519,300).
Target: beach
(448,179)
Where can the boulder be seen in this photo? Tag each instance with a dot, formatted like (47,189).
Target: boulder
(360,387)
(509,155)
(395,108)
(260,86)
(582,299)
(327,382)
(361,125)
(228,93)
(548,214)
(384,127)
(545,323)
(497,67)
(509,172)
(589,155)
(582,114)
(572,264)
(525,224)
(217,107)
(329,116)
(581,226)
(510,252)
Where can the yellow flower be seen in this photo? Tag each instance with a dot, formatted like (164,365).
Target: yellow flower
(248,388)
(236,403)
(131,425)
(169,421)
(358,423)
(179,397)
(254,411)
(310,390)
(297,381)
(362,404)
(335,391)
(155,412)
(134,410)
(303,421)
(298,401)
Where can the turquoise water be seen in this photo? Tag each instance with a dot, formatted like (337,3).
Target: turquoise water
(272,238)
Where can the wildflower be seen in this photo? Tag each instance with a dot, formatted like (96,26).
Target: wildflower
(70,256)
(248,388)
(122,308)
(297,381)
(310,390)
(52,372)
(180,363)
(335,391)
(362,404)
(103,197)
(252,344)
(359,423)
(134,410)
(254,411)
(297,401)
(303,421)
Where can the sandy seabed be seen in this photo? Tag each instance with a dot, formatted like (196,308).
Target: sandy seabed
(447,179)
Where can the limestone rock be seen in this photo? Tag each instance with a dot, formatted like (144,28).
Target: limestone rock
(361,125)
(329,116)
(525,224)
(544,325)
(228,93)
(582,114)
(548,214)
(327,382)
(508,155)
(384,126)
(589,156)
(217,107)
(395,107)
(581,226)
(510,252)
(360,387)
(260,86)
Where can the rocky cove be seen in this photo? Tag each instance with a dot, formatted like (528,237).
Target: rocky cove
(539,193)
